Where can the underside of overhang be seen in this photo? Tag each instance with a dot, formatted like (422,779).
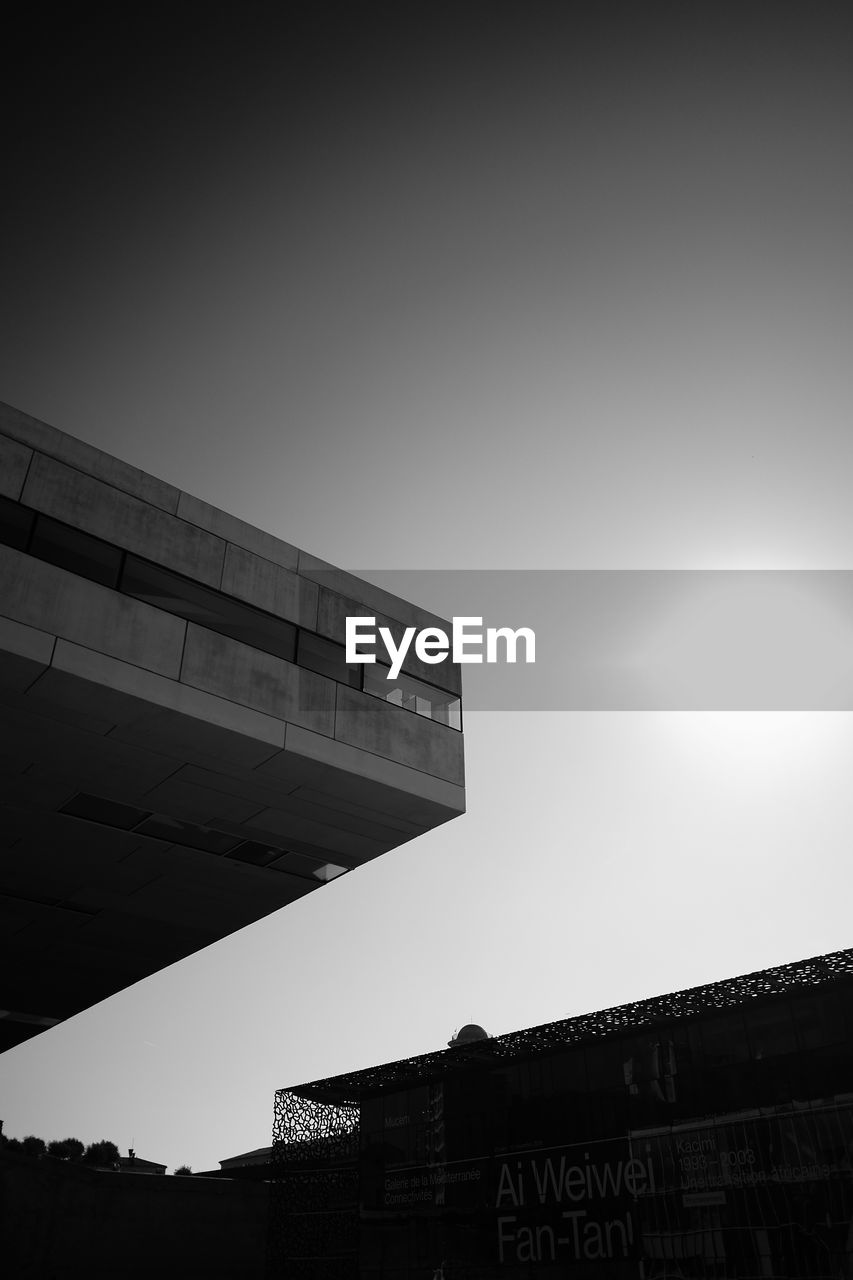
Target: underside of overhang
(135,832)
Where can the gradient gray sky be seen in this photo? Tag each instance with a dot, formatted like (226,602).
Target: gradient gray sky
(484,285)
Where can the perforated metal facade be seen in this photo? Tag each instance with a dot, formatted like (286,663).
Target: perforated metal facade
(707,1133)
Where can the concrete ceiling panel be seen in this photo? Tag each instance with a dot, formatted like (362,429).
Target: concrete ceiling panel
(248,784)
(37,790)
(287,826)
(40,935)
(309,804)
(39,701)
(197,804)
(53,747)
(191,741)
(384,819)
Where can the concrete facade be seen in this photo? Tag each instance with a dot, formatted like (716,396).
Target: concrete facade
(184,750)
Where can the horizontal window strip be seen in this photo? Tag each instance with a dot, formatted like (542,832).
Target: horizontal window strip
(99,561)
(212,609)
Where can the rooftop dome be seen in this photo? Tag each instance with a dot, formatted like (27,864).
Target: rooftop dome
(471,1031)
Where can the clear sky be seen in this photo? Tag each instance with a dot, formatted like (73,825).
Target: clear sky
(474,285)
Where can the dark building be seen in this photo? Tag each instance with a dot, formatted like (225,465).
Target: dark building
(251,1166)
(706,1133)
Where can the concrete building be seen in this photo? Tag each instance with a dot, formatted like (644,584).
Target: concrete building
(132,1163)
(184,748)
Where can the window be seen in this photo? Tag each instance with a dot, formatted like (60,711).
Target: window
(76,551)
(99,561)
(169,591)
(15,524)
(109,812)
(327,659)
(259,855)
(185,833)
(413,695)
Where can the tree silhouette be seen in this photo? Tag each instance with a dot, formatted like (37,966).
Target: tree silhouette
(32,1146)
(66,1149)
(183,1168)
(103,1152)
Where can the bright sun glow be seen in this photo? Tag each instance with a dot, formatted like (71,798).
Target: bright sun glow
(752,642)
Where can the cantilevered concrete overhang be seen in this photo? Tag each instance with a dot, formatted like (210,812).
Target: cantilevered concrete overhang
(184,749)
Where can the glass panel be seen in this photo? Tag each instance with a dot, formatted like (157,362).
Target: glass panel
(569,1071)
(413,695)
(605,1066)
(76,551)
(160,827)
(163,828)
(259,855)
(724,1039)
(770,1029)
(819,1020)
(327,659)
(178,595)
(109,812)
(15,524)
